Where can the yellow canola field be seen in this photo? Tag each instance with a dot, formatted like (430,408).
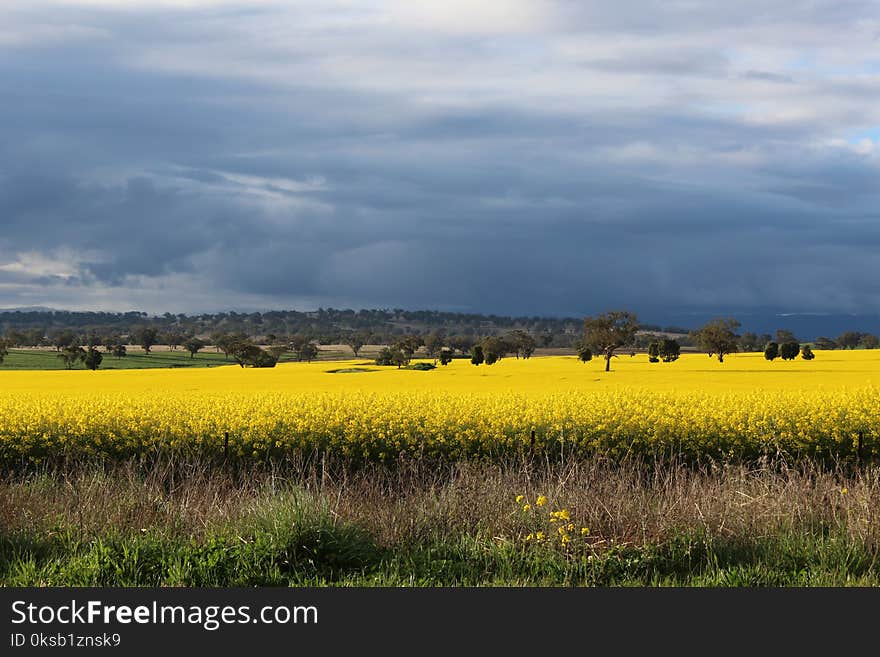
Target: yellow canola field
(745,406)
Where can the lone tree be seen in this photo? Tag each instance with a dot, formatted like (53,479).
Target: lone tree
(146,337)
(355,341)
(771,351)
(654,352)
(445,355)
(670,350)
(477,357)
(607,332)
(789,350)
(807,353)
(718,337)
(585,354)
(193,346)
(93,358)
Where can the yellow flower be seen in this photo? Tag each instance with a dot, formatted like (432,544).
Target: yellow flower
(844,491)
(570,527)
(520,498)
(540,536)
(526,507)
(541,501)
(530,537)
(584,531)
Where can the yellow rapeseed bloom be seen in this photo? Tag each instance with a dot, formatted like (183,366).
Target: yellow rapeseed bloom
(520,498)
(541,501)
(745,406)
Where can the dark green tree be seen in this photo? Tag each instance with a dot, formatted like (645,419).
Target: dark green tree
(789,350)
(477,356)
(392,356)
(610,331)
(71,355)
(807,353)
(670,350)
(771,351)
(584,353)
(869,341)
(146,337)
(718,337)
(93,358)
(193,346)
(654,352)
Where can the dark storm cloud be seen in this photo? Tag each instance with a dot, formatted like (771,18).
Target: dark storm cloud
(557,157)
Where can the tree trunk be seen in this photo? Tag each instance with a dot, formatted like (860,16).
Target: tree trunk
(720,357)
(607,361)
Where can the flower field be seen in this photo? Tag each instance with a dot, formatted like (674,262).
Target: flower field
(743,407)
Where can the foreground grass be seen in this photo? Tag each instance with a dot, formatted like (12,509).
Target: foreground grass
(191,525)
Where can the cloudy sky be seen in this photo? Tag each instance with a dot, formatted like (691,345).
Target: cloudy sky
(511,156)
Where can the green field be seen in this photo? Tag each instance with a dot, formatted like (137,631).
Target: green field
(47,359)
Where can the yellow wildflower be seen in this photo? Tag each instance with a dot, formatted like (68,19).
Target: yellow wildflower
(541,501)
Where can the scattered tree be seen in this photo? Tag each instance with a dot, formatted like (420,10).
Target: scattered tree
(654,352)
(146,337)
(609,332)
(4,349)
(92,358)
(670,350)
(849,339)
(584,353)
(807,353)
(824,343)
(494,349)
(433,344)
(71,355)
(477,356)
(718,337)
(869,341)
(392,356)
(771,351)
(356,341)
(523,344)
(193,346)
(445,355)
(789,350)
(749,341)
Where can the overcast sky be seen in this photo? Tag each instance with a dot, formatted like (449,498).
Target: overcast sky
(521,156)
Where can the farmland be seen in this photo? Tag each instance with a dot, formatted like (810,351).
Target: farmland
(533,471)
(745,407)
